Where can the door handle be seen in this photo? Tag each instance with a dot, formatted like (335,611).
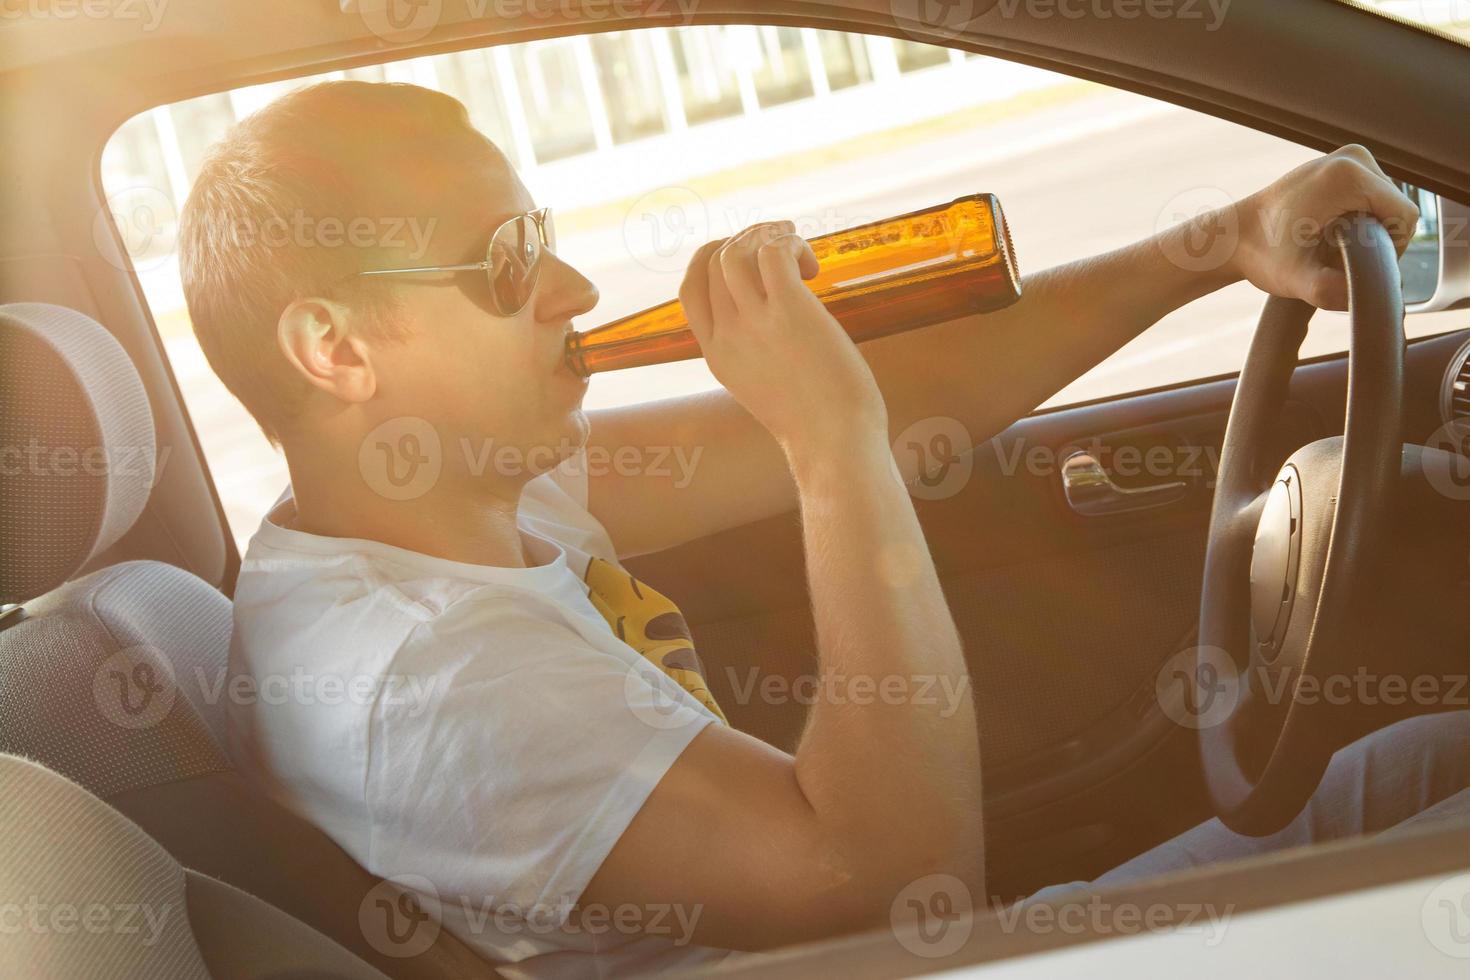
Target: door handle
(1092,493)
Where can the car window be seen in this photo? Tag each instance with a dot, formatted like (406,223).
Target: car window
(648,143)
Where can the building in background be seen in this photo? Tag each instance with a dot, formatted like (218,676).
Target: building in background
(555,100)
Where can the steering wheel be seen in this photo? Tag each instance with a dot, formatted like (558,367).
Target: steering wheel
(1289,551)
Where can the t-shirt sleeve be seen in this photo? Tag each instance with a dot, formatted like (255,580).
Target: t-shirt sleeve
(525,752)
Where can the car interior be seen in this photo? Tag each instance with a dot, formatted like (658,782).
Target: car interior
(1069,598)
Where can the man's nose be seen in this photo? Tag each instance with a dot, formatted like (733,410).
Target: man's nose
(564,292)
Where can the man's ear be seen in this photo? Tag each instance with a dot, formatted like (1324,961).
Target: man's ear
(313,334)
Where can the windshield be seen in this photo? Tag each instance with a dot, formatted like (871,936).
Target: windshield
(1448,16)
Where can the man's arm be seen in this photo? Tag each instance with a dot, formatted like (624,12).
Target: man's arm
(986,371)
(770,849)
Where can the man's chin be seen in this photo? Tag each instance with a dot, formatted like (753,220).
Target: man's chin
(580,430)
(567,443)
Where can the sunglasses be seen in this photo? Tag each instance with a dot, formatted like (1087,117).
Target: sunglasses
(512,260)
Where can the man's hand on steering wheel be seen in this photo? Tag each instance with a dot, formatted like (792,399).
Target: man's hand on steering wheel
(1283,246)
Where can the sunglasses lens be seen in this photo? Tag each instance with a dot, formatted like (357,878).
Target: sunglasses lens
(515,261)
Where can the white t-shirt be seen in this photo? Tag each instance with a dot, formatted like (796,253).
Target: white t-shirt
(479,735)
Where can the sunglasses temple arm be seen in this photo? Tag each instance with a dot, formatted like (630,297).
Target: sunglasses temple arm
(428,268)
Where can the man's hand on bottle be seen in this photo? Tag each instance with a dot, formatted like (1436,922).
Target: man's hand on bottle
(773,345)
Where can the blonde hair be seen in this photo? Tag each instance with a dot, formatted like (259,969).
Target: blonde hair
(253,233)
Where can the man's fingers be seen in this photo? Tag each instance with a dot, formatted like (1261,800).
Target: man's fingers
(726,278)
(738,267)
(738,260)
(784,262)
(1367,182)
(694,293)
(721,305)
(1362,155)
(807,261)
(1327,289)
(1398,214)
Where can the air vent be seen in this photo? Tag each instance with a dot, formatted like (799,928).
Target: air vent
(1455,399)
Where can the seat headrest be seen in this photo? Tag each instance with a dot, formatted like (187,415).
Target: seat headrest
(77,450)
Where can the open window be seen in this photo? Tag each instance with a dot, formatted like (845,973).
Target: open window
(648,143)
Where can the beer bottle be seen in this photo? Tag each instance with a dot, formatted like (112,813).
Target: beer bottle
(881,278)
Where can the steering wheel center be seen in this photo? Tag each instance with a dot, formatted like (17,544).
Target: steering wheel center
(1275,558)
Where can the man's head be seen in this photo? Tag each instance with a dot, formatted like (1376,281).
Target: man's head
(345,177)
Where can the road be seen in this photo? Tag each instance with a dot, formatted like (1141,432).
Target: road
(1075,180)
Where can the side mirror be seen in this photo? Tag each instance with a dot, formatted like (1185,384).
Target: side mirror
(1436,265)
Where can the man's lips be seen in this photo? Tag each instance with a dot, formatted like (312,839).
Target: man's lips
(561,350)
(563,366)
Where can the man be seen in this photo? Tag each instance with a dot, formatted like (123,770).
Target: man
(525,739)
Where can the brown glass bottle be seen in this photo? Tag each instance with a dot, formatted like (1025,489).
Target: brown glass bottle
(881,278)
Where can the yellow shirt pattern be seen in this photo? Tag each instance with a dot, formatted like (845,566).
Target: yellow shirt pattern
(650,623)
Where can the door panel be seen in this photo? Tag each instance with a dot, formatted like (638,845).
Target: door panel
(1067,620)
